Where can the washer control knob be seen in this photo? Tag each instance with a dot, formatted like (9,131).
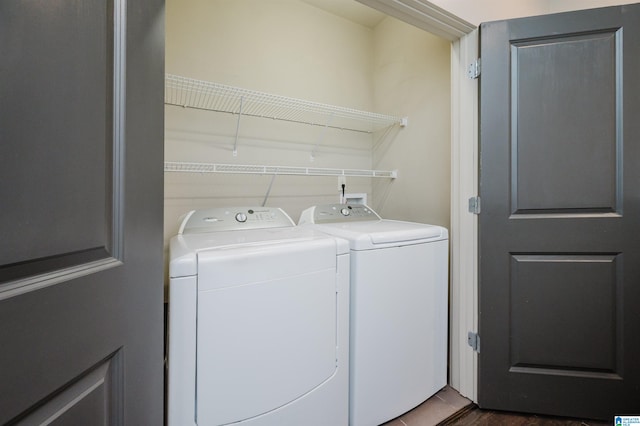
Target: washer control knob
(241,217)
(345,212)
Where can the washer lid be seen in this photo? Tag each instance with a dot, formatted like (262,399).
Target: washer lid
(367,235)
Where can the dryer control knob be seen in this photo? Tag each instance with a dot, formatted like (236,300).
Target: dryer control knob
(345,212)
(241,217)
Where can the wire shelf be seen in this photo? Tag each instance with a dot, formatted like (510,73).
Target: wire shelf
(185,167)
(191,93)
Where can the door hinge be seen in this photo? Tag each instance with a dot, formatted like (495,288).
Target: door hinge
(474,341)
(474,205)
(475,68)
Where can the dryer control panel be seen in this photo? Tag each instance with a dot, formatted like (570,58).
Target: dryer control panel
(333,213)
(234,218)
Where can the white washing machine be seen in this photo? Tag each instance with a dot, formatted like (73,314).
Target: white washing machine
(258,322)
(399,305)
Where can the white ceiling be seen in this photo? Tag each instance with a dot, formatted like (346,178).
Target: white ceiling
(351,10)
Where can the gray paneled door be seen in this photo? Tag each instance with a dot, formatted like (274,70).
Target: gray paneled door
(81,147)
(560,220)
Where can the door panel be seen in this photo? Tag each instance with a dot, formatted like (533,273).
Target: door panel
(57,112)
(93,399)
(566,97)
(80,163)
(559,253)
(579,295)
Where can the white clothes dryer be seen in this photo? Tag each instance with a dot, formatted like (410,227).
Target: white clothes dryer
(399,305)
(258,322)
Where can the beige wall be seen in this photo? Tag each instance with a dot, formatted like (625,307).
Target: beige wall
(412,73)
(294,49)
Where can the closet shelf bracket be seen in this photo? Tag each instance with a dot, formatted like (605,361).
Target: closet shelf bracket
(235,142)
(320,138)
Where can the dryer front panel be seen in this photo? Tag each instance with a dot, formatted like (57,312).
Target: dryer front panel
(264,343)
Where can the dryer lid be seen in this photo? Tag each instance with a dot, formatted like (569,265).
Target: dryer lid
(184,249)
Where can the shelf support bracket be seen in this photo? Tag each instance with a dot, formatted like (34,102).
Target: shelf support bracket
(266,196)
(235,143)
(321,137)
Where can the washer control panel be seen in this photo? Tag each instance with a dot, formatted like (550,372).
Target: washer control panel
(234,218)
(332,213)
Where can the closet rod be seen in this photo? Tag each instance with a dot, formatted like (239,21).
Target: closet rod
(186,167)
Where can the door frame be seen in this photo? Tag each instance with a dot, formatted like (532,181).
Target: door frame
(463,360)
(463,292)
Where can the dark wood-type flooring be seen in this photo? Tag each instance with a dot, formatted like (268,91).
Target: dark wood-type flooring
(473,415)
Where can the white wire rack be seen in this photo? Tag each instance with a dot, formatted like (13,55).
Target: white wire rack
(173,166)
(191,93)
